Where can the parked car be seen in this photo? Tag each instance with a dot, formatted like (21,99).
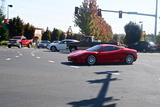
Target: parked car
(62,45)
(103,53)
(19,41)
(43,44)
(86,42)
(144,46)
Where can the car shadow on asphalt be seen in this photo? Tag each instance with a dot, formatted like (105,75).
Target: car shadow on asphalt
(101,100)
(105,64)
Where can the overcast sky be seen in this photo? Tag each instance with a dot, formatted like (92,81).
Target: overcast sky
(60,13)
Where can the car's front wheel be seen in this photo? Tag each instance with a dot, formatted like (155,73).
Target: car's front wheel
(91,60)
(20,45)
(9,46)
(53,49)
(129,59)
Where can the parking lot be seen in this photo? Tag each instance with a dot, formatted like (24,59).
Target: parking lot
(40,78)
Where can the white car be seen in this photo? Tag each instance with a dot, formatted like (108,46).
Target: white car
(62,45)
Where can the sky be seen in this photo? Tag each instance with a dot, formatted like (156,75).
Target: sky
(60,13)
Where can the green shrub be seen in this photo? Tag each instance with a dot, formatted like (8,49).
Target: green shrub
(3,43)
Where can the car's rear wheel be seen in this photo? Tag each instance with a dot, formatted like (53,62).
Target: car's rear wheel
(91,60)
(129,59)
(29,45)
(71,49)
(53,49)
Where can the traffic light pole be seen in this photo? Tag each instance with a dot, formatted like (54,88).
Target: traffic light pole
(142,14)
(134,13)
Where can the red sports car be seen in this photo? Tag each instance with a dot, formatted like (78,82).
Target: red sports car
(103,53)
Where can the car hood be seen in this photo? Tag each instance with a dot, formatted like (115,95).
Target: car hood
(77,52)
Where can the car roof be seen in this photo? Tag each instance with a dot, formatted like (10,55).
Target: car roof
(70,40)
(111,45)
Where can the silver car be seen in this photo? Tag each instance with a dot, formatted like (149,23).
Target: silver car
(62,45)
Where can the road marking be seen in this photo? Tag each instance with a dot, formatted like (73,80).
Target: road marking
(51,61)
(38,57)
(21,54)
(8,59)
(33,54)
(75,67)
(116,73)
(16,56)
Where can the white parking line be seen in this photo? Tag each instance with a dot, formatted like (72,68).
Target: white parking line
(21,54)
(38,57)
(33,54)
(116,73)
(8,59)
(75,67)
(51,61)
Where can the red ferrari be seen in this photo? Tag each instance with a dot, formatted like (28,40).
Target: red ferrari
(103,53)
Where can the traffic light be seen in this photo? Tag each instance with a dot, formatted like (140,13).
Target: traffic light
(99,13)
(120,14)
(76,10)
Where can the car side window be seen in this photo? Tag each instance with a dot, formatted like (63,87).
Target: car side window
(23,38)
(110,48)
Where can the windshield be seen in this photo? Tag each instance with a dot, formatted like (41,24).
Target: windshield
(16,37)
(94,48)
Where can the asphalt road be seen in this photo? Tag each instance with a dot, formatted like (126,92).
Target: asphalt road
(39,78)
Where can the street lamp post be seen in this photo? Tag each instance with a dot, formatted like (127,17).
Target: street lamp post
(156,12)
(141,25)
(8,10)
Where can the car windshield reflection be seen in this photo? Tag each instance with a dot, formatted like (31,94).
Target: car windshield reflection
(94,48)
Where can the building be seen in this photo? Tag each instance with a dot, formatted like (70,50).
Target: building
(38,34)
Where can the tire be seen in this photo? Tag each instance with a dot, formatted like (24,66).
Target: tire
(29,46)
(129,59)
(144,50)
(20,45)
(53,49)
(91,60)
(9,46)
(71,49)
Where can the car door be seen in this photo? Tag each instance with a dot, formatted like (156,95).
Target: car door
(110,54)
(62,45)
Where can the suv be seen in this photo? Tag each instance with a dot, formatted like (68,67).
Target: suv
(19,41)
(144,46)
(62,45)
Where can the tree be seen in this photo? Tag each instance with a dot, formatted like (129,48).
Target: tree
(29,31)
(133,33)
(46,35)
(57,35)
(16,27)
(3,28)
(90,23)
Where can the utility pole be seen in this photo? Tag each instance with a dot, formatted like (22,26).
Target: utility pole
(156,11)
(8,10)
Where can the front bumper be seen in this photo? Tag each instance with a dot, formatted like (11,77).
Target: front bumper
(76,59)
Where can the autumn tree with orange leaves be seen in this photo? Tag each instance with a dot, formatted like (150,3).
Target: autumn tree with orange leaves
(90,23)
